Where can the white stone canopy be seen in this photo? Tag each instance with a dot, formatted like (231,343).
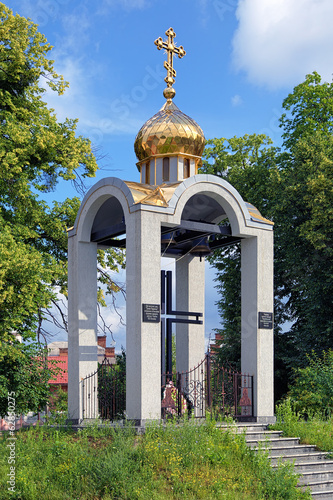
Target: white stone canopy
(113,208)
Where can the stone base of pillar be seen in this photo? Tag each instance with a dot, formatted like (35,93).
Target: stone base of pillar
(73,421)
(265,420)
(141,424)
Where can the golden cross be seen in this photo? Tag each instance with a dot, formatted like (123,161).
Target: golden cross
(171,49)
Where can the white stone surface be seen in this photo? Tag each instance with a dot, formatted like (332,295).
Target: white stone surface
(82,320)
(180,169)
(257,352)
(143,339)
(54,347)
(173,169)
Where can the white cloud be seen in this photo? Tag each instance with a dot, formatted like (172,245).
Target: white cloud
(77,28)
(278,42)
(96,118)
(113,321)
(67,104)
(236,100)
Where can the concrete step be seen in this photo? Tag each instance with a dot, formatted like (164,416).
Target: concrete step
(241,427)
(262,435)
(310,466)
(318,486)
(300,458)
(273,443)
(316,476)
(285,451)
(315,469)
(322,495)
(252,426)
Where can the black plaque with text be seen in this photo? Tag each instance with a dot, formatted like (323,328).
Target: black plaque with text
(151,313)
(266,320)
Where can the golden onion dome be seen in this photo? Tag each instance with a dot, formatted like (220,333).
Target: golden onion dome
(169,132)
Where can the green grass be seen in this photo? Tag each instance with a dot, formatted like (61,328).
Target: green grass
(314,429)
(179,461)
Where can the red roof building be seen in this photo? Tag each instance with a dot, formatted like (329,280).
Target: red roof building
(58,358)
(61,363)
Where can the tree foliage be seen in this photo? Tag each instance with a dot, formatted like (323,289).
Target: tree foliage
(294,188)
(304,235)
(245,162)
(309,109)
(24,375)
(36,151)
(311,391)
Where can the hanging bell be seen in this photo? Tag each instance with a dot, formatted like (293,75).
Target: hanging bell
(167,239)
(201,247)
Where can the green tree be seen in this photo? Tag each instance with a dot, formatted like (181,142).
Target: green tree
(24,375)
(292,187)
(311,391)
(304,235)
(249,164)
(309,109)
(36,151)
(304,218)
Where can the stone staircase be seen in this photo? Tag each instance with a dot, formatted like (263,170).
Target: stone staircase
(315,469)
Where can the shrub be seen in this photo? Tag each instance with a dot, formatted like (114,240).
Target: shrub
(312,389)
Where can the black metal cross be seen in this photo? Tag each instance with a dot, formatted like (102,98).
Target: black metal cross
(166,323)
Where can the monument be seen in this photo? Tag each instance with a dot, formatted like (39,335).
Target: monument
(173,211)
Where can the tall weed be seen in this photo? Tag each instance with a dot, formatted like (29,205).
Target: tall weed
(314,429)
(178,460)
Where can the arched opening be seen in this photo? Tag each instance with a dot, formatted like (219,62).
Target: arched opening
(109,232)
(204,227)
(109,224)
(203,208)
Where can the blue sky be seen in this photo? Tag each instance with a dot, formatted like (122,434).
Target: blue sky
(242,58)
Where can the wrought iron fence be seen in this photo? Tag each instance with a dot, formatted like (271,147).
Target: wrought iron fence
(104,392)
(228,392)
(208,387)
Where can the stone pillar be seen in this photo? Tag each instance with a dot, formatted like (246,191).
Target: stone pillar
(143,342)
(190,296)
(257,344)
(82,324)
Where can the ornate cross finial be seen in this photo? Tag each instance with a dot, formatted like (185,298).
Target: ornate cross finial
(171,49)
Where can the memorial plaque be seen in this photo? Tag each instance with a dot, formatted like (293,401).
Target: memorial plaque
(151,313)
(266,320)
